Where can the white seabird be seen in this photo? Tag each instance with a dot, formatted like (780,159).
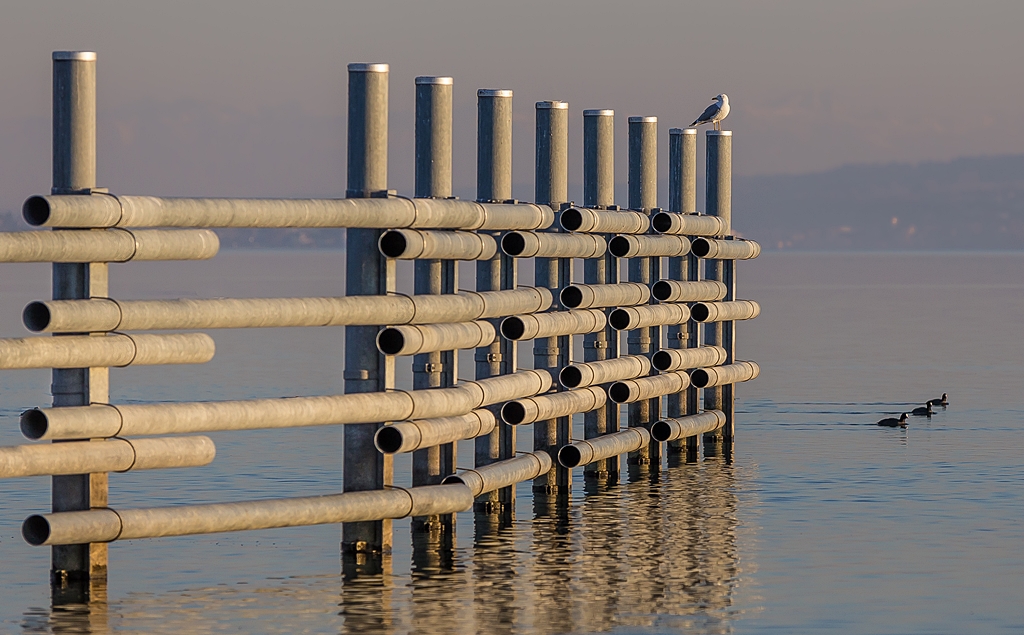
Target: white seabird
(715,113)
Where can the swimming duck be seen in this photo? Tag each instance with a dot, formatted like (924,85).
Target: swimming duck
(892,422)
(923,411)
(941,401)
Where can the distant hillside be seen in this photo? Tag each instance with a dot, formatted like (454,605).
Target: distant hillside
(968,203)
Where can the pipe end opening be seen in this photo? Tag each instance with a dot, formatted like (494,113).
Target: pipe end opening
(34,424)
(619,319)
(513,244)
(512,328)
(513,413)
(390,341)
(619,392)
(699,378)
(393,244)
(571,297)
(700,247)
(661,222)
(36,210)
(662,360)
(570,456)
(570,377)
(36,316)
(35,530)
(661,290)
(571,219)
(618,246)
(700,312)
(388,439)
(453,479)
(661,431)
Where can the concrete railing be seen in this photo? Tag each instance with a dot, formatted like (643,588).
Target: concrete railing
(680,318)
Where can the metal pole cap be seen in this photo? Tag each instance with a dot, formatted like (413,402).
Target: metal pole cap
(77,56)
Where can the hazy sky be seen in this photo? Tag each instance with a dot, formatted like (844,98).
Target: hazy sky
(234,98)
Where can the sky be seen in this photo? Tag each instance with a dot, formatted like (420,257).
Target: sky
(233,98)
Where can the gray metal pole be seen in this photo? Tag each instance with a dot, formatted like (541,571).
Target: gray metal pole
(434,180)
(682,195)
(551,188)
(494,183)
(718,202)
(643,197)
(367,273)
(598,192)
(77,571)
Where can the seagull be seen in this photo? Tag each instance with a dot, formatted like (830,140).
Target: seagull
(715,113)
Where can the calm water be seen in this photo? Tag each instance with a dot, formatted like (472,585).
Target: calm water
(823,522)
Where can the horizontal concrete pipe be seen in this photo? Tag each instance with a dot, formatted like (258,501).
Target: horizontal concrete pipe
(555,323)
(407,436)
(107,525)
(722,375)
(116,349)
(635,317)
(114,245)
(501,474)
(629,246)
(427,338)
(603,447)
(587,296)
(101,314)
(412,244)
(725,311)
(676,291)
(670,359)
(96,421)
(546,245)
(604,371)
(632,390)
(580,219)
(382,213)
(112,455)
(559,404)
(687,224)
(689,426)
(725,249)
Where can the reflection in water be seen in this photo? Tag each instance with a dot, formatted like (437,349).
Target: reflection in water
(656,553)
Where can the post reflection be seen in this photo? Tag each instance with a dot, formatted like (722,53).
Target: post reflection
(656,554)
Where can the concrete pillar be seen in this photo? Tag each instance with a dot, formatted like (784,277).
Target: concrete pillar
(367,273)
(78,572)
(434,180)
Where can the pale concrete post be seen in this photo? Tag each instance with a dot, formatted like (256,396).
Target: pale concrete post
(643,197)
(367,273)
(718,202)
(434,180)
(494,184)
(78,572)
(599,192)
(551,188)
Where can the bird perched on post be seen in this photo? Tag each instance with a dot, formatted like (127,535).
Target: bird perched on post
(715,113)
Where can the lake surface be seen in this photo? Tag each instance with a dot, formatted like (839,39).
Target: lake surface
(823,521)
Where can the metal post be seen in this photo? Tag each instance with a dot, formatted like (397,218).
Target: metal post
(78,572)
(367,273)
(494,183)
(434,180)
(643,196)
(682,195)
(718,202)
(551,188)
(599,191)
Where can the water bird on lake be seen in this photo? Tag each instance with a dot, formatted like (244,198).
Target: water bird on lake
(892,422)
(941,401)
(715,113)
(923,411)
